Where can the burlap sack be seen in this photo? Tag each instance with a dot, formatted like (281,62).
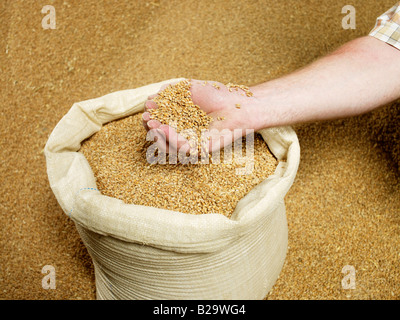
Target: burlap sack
(142,252)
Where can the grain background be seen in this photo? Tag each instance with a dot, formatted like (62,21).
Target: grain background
(343,208)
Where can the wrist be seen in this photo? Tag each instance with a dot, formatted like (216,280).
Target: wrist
(261,104)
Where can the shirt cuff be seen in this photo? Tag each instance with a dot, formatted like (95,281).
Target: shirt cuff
(388,32)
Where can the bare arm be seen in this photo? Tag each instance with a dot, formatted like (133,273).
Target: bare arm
(356,78)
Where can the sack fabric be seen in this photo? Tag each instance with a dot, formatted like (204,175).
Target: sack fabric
(142,252)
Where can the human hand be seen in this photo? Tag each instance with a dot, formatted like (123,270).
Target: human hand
(233,111)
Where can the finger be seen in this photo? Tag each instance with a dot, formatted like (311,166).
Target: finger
(153,124)
(149,104)
(160,140)
(145,119)
(175,140)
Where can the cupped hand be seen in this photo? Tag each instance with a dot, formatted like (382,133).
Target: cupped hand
(233,112)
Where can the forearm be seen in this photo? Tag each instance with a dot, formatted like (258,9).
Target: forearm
(358,77)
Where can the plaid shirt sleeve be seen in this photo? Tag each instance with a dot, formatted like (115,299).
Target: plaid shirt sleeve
(387,27)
